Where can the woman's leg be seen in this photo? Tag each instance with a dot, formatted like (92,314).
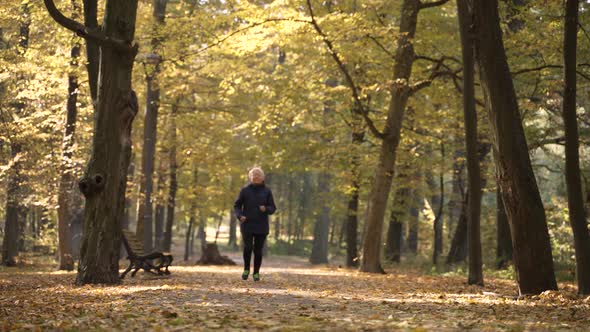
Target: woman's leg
(258,245)
(247,239)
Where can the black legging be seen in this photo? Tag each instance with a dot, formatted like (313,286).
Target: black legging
(253,242)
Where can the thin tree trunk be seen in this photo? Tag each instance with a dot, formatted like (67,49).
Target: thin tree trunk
(457,189)
(473,172)
(503,238)
(92,49)
(160,208)
(459,242)
(353,204)
(577,214)
(187,241)
(437,205)
(319,250)
(413,218)
(532,249)
(401,91)
(145,209)
(399,212)
(65,192)
(290,208)
(173,183)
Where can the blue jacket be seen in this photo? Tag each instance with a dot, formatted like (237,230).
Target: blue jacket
(248,204)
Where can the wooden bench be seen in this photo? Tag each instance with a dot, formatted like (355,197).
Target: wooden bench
(139,260)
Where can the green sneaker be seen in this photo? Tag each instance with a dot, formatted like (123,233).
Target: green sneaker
(245,274)
(256,276)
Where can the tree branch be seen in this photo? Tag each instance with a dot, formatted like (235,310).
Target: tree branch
(359,108)
(88,33)
(424,5)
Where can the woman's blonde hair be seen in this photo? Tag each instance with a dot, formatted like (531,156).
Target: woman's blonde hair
(255,170)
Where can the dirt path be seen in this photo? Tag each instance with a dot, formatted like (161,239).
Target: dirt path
(291,296)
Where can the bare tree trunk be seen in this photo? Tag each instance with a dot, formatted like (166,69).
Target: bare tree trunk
(470,120)
(319,250)
(92,48)
(105,178)
(353,203)
(457,189)
(145,209)
(401,91)
(577,214)
(173,183)
(532,250)
(66,183)
(189,233)
(503,238)
(458,250)
(399,212)
(160,208)
(290,208)
(413,218)
(437,205)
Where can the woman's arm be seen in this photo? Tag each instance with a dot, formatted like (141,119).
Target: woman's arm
(239,204)
(270,203)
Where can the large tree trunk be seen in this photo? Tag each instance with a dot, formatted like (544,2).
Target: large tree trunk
(575,198)
(150,129)
(65,191)
(401,90)
(503,238)
(473,170)
(319,250)
(105,178)
(532,250)
(173,183)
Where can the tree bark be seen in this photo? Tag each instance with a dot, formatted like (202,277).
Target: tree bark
(575,196)
(173,183)
(413,219)
(437,205)
(187,240)
(150,129)
(503,238)
(475,276)
(532,249)
(400,92)
(319,250)
(65,191)
(457,189)
(160,208)
(104,181)
(92,49)
(458,250)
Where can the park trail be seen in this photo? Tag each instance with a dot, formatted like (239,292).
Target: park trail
(292,296)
